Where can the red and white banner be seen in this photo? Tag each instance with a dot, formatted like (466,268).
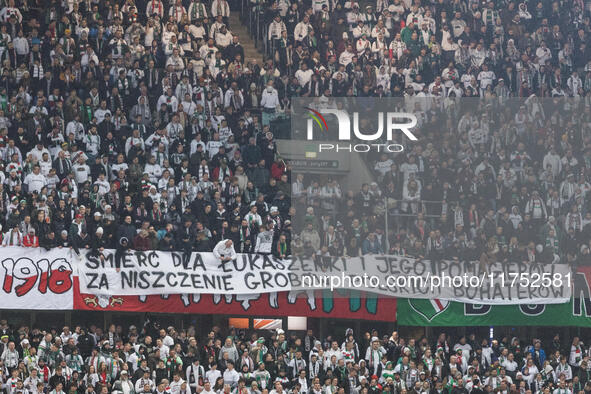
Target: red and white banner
(37,279)
(33,278)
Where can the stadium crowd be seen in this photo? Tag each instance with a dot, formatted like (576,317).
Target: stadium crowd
(139,124)
(164,360)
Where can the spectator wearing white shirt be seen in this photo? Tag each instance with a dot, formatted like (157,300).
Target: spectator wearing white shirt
(275,28)
(223,37)
(509,363)
(304,74)
(220,8)
(234,97)
(153,170)
(169,99)
(176,384)
(574,84)
(576,353)
(189,107)
(195,375)
(462,344)
(213,146)
(212,375)
(177,11)
(543,54)
(75,127)
(38,151)
(302,28)
(231,376)
(174,128)
(103,185)
(552,159)
(164,350)
(35,181)
(563,369)
(197,142)
(81,171)
(21,45)
(143,381)
(486,78)
(155,7)
(269,102)
(224,250)
(347,56)
(11,150)
(100,113)
(134,141)
(12,237)
(9,11)
(46,164)
(383,165)
(89,56)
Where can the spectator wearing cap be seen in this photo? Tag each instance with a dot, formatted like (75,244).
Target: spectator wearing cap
(81,241)
(30,240)
(77,227)
(123,384)
(95,223)
(98,242)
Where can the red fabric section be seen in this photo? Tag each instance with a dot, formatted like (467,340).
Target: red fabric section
(382,309)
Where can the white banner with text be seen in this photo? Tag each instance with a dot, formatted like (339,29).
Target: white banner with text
(155,272)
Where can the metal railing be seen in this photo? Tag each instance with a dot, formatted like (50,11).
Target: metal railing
(398,216)
(251,14)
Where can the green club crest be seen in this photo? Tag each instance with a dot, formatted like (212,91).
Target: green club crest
(429,309)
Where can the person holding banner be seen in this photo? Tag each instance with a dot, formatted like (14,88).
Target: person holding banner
(224,250)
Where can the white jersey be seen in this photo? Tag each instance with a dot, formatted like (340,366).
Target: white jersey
(221,250)
(264,243)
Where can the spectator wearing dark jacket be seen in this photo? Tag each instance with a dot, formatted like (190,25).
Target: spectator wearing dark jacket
(142,241)
(127,229)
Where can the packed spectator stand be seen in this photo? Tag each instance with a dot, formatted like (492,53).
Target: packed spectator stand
(167,360)
(139,124)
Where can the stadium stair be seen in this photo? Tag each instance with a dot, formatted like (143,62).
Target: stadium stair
(250,51)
